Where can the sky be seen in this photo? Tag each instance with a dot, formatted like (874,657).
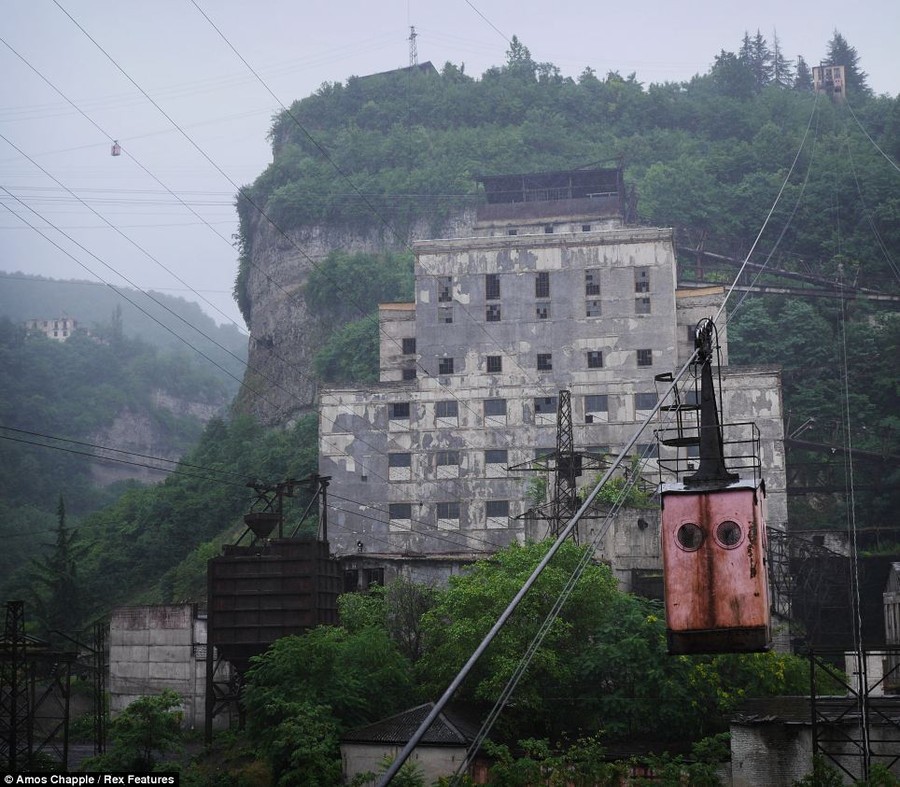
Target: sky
(173,81)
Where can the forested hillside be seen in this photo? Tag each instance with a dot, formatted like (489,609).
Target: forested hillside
(742,157)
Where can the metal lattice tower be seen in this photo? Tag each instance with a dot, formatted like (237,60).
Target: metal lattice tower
(568,465)
(15,716)
(413,49)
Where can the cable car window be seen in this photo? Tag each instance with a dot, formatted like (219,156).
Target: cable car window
(729,534)
(689,537)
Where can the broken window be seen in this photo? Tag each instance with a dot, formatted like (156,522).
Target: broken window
(445,289)
(495,456)
(445,366)
(409,346)
(492,286)
(642,306)
(545,405)
(409,374)
(445,314)
(397,410)
(494,364)
(592,309)
(645,357)
(642,280)
(592,282)
(595,359)
(446,409)
(542,312)
(544,362)
(542,285)
(492,313)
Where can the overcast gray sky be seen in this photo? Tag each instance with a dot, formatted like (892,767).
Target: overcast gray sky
(168,50)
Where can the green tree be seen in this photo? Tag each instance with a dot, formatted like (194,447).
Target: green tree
(56,589)
(467,609)
(803,81)
(840,53)
(142,735)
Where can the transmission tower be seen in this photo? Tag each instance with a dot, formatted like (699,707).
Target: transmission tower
(413,49)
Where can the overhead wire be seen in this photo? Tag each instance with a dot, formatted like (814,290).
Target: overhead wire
(874,143)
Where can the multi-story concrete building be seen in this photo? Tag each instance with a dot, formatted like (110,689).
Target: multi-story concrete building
(551,290)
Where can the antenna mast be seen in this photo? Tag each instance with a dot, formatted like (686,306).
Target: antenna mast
(413,49)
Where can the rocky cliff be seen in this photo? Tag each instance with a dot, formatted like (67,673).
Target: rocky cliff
(279,384)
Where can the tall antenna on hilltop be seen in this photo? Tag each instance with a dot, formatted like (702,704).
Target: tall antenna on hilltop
(413,49)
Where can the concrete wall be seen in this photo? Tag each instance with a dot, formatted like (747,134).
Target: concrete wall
(775,755)
(153,648)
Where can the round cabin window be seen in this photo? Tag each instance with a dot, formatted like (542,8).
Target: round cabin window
(729,534)
(689,537)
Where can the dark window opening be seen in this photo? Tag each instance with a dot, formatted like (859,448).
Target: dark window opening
(445,314)
(592,282)
(495,407)
(542,285)
(447,409)
(398,410)
(445,289)
(496,508)
(448,510)
(400,510)
(399,460)
(409,346)
(492,313)
(494,364)
(548,229)
(491,286)
(495,456)
(585,227)
(596,403)
(641,280)
(545,362)
(445,366)
(595,359)
(642,306)
(645,357)
(512,232)
(447,458)
(373,577)
(542,312)
(545,405)
(409,374)
(645,401)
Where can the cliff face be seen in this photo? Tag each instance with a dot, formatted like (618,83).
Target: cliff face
(279,384)
(157,432)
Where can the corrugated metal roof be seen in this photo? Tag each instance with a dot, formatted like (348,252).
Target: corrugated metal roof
(452,727)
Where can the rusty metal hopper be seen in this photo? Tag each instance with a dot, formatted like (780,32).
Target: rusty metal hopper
(262,523)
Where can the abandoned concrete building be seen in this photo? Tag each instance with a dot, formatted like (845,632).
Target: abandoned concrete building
(550,289)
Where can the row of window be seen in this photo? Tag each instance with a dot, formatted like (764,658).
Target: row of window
(497,408)
(449,510)
(492,293)
(543,362)
(594,357)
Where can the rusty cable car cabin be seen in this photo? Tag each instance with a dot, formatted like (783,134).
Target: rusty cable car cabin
(713,528)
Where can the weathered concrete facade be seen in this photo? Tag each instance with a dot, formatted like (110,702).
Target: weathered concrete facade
(153,648)
(543,297)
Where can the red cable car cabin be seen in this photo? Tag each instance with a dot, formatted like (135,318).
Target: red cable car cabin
(713,534)
(714,563)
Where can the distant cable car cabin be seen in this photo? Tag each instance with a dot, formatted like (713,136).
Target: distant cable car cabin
(713,530)
(116,148)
